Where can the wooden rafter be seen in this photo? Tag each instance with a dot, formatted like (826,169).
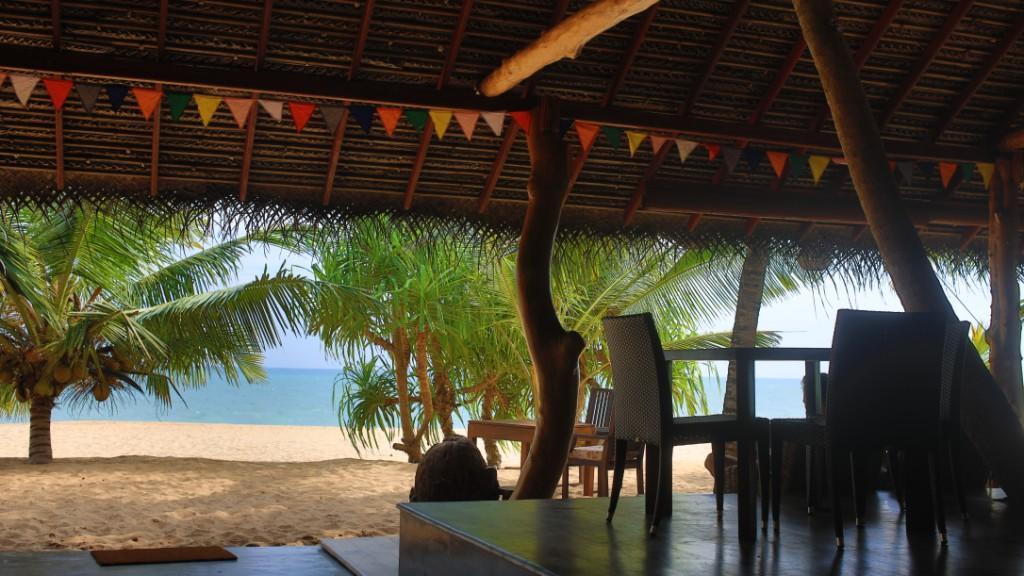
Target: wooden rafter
(161,31)
(250,124)
(55,18)
(442,81)
(154,152)
(58,115)
(339,132)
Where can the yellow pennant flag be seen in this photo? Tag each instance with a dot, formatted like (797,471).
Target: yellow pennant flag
(818,165)
(635,140)
(207,106)
(441,119)
(987,169)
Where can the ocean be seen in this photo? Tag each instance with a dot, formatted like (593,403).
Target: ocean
(302,397)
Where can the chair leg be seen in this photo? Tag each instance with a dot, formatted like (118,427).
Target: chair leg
(602,480)
(953,446)
(892,459)
(764,476)
(718,456)
(565,482)
(620,468)
(776,458)
(937,499)
(832,463)
(810,473)
(857,484)
(639,478)
(664,492)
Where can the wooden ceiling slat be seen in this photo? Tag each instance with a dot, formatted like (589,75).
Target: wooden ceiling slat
(250,124)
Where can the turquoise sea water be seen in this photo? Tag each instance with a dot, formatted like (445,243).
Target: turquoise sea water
(303,398)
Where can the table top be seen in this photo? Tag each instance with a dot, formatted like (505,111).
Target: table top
(757,354)
(518,424)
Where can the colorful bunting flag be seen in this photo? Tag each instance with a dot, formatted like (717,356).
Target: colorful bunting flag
(523,119)
(946,172)
(587,133)
(657,142)
(967,170)
(563,126)
(148,99)
(987,169)
(494,120)
(239,108)
(389,118)
(418,118)
(116,94)
(177,102)
(906,171)
(88,93)
(685,147)
(273,107)
(927,169)
(207,106)
(753,158)
(362,114)
(301,113)
(2,78)
(332,117)
(467,121)
(613,135)
(818,165)
(23,87)
(635,139)
(778,161)
(797,165)
(441,120)
(731,155)
(713,150)
(58,89)
(892,165)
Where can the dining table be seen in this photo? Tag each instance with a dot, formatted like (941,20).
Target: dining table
(521,431)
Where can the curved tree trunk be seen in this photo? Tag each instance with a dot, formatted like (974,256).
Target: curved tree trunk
(426,394)
(40,449)
(487,409)
(444,394)
(1003,333)
(554,351)
(748,310)
(399,351)
(988,419)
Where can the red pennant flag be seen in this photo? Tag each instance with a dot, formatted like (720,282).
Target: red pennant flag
(389,118)
(778,161)
(58,90)
(3,77)
(657,142)
(523,119)
(148,100)
(301,112)
(946,171)
(587,134)
(713,150)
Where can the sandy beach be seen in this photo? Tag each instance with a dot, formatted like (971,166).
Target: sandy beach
(145,484)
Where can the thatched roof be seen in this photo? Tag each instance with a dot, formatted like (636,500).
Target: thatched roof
(946,77)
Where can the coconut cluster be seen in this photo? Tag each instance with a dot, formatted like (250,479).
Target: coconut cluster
(33,373)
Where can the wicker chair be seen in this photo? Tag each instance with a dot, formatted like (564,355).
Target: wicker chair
(590,451)
(643,413)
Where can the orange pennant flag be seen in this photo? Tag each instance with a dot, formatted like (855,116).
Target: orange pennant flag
(389,118)
(713,150)
(523,119)
(657,142)
(587,133)
(301,112)
(148,100)
(58,90)
(467,121)
(946,172)
(3,77)
(240,108)
(778,161)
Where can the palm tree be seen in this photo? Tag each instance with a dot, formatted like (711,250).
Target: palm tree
(95,307)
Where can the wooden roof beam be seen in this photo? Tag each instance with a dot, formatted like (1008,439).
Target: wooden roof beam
(154,152)
(442,81)
(1012,141)
(58,115)
(250,124)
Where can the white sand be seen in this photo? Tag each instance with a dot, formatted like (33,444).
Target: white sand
(143,484)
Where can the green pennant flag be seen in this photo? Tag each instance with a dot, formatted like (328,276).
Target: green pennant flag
(797,165)
(613,135)
(418,118)
(967,169)
(177,102)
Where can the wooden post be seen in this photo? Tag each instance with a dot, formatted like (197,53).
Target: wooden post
(554,351)
(1003,252)
(987,417)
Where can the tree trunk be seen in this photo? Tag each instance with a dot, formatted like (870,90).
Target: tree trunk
(1003,333)
(748,310)
(400,359)
(426,394)
(444,401)
(40,449)
(988,418)
(554,351)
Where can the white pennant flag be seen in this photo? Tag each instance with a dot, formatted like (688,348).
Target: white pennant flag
(496,120)
(23,87)
(685,148)
(273,107)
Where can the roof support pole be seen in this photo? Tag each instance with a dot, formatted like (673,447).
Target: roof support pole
(555,352)
(987,417)
(1003,333)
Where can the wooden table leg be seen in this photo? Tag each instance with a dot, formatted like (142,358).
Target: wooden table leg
(587,473)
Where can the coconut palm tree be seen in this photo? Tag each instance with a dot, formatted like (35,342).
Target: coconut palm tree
(95,307)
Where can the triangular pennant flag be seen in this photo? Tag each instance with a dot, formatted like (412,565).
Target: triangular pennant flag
(892,165)
(441,120)
(148,99)
(987,169)
(731,155)
(116,94)
(207,106)
(389,118)
(273,107)
(613,135)
(2,78)
(495,121)
(467,121)
(362,114)
(523,119)
(587,133)
(301,113)
(967,170)
(685,147)
(563,126)
(58,89)
(927,169)
(418,118)
(797,165)
(753,158)
(946,172)
(778,161)
(332,117)
(635,139)
(23,87)
(713,150)
(657,142)
(177,102)
(906,170)
(88,93)
(818,165)
(240,108)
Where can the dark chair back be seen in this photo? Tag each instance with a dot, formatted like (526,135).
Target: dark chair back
(599,409)
(890,378)
(643,397)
